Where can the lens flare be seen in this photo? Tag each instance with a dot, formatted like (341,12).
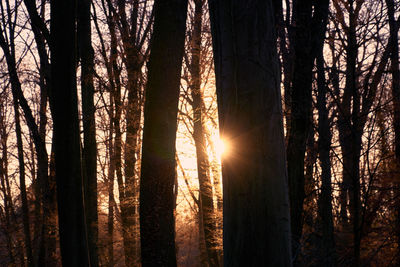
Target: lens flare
(222,147)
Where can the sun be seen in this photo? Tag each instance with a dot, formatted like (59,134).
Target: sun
(221,147)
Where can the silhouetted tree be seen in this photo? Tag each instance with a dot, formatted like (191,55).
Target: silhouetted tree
(309,23)
(395,71)
(206,209)
(157,201)
(89,152)
(73,241)
(255,189)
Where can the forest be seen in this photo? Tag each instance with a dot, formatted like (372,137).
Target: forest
(199,133)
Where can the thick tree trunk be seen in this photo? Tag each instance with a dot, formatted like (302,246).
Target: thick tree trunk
(89,152)
(73,241)
(157,230)
(249,102)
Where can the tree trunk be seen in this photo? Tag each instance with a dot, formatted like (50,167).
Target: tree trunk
(73,241)
(250,116)
(287,53)
(5,218)
(111,172)
(350,139)
(324,146)
(395,71)
(47,195)
(203,165)
(24,200)
(89,153)
(129,188)
(46,250)
(157,230)
(300,118)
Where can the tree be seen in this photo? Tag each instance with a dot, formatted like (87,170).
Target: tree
(89,153)
(354,105)
(44,226)
(129,24)
(395,71)
(324,147)
(73,242)
(256,208)
(309,21)
(45,185)
(206,208)
(157,230)
(300,116)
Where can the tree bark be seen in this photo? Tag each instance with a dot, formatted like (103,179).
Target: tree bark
(46,194)
(203,165)
(309,20)
(133,61)
(111,171)
(328,256)
(254,173)
(157,230)
(24,200)
(5,211)
(395,71)
(89,152)
(73,239)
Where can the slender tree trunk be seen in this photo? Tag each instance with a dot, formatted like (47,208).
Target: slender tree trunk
(73,239)
(24,200)
(250,117)
(204,262)
(157,230)
(395,71)
(350,145)
(128,188)
(300,118)
(47,196)
(89,152)
(353,113)
(130,202)
(203,165)
(216,173)
(287,53)
(3,178)
(111,172)
(46,250)
(13,242)
(324,145)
